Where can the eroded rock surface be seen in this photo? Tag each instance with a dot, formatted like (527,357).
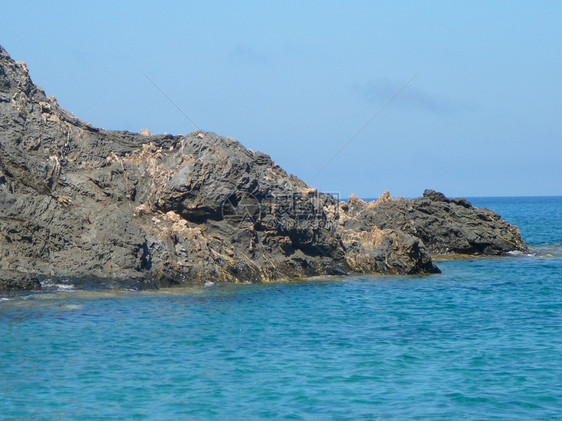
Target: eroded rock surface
(119,209)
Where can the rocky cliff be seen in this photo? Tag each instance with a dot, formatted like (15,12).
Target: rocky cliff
(117,209)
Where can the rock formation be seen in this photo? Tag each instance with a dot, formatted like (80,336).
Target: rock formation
(446,226)
(116,209)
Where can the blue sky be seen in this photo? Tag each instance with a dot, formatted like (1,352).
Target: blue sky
(297,79)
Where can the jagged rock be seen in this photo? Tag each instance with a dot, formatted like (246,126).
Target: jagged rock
(128,209)
(386,251)
(104,208)
(444,225)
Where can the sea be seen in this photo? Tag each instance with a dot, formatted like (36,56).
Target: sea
(480,341)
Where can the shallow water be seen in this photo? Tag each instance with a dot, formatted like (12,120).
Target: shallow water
(481,340)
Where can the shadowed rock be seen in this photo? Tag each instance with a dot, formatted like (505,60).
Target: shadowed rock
(11,281)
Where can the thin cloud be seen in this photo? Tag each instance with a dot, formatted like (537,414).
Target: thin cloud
(413,97)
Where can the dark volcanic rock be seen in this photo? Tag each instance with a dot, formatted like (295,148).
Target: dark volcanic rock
(386,251)
(11,281)
(444,225)
(101,208)
(122,209)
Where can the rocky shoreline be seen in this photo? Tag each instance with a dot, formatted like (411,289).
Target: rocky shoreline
(112,209)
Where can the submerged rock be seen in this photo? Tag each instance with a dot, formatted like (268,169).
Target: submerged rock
(120,209)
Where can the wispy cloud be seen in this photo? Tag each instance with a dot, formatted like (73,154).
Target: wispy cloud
(381,89)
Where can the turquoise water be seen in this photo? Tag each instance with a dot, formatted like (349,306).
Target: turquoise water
(482,340)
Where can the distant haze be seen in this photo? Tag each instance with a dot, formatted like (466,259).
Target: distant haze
(298,79)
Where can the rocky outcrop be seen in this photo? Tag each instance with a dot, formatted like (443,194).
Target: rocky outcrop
(142,211)
(11,281)
(104,208)
(446,226)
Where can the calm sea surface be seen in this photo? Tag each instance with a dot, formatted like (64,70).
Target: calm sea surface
(482,340)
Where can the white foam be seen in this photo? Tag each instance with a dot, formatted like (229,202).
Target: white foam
(516,253)
(532,253)
(60,287)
